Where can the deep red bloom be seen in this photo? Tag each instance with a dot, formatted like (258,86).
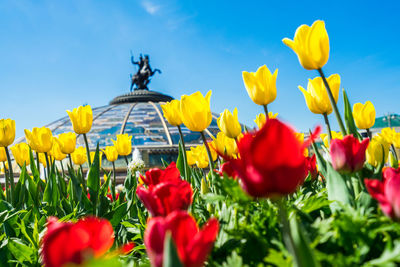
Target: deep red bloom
(111,198)
(127,248)
(348,155)
(155,176)
(227,168)
(386,192)
(311,163)
(67,242)
(193,245)
(271,161)
(165,197)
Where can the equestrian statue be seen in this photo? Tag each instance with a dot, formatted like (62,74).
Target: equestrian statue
(141,79)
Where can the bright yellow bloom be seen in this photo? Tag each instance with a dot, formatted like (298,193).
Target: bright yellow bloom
(261,85)
(42,159)
(40,139)
(56,152)
(335,135)
(67,142)
(2,169)
(190,157)
(199,155)
(316,96)
(172,112)
(3,155)
(229,124)
(79,156)
(396,140)
(311,44)
(7,132)
(377,151)
(100,157)
(260,119)
(111,153)
(21,154)
(81,119)
(388,134)
(224,145)
(364,115)
(123,144)
(195,111)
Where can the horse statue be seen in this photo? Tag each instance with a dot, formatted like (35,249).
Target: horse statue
(141,79)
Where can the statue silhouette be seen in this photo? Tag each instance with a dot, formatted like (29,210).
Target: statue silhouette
(141,79)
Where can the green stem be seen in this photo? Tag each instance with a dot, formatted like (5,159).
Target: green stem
(83,179)
(286,232)
(7,182)
(210,160)
(333,103)
(70,161)
(87,150)
(266,112)
(11,173)
(369,134)
(328,127)
(183,152)
(126,160)
(38,162)
(62,168)
(48,165)
(113,183)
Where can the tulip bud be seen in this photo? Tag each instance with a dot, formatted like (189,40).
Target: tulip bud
(335,135)
(377,151)
(364,115)
(21,154)
(56,151)
(40,139)
(79,156)
(123,144)
(7,132)
(348,155)
(316,96)
(204,187)
(81,119)
(311,44)
(67,142)
(111,153)
(224,145)
(172,112)
(261,85)
(392,160)
(3,155)
(260,119)
(195,111)
(229,124)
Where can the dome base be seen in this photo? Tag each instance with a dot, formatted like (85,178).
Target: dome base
(141,96)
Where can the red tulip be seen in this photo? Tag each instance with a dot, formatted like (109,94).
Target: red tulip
(312,166)
(111,198)
(271,161)
(165,197)
(155,176)
(386,192)
(127,248)
(227,168)
(348,155)
(193,245)
(67,242)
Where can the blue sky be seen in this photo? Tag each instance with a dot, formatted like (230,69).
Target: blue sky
(57,55)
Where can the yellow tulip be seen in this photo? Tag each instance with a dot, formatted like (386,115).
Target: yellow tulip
(377,151)
(311,44)
(260,119)
(56,152)
(123,144)
(81,119)
(67,142)
(100,157)
(224,145)
(21,154)
(79,156)
(388,134)
(7,132)
(261,85)
(172,112)
(199,154)
(335,135)
(4,168)
(111,153)
(42,159)
(395,139)
(316,96)
(364,115)
(229,124)
(40,139)
(190,157)
(195,111)
(3,155)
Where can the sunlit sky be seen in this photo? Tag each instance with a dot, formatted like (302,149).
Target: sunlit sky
(57,55)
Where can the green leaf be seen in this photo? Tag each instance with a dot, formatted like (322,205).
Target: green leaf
(21,251)
(171,258)
(320,160)
(337,188)
(93,180)
(348,117)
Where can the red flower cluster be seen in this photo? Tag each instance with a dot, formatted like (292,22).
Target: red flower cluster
(67,242)
(271,161)
(348,155)
(311,163)
(228,170)
(165,192)
(386,192)
(193,245)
